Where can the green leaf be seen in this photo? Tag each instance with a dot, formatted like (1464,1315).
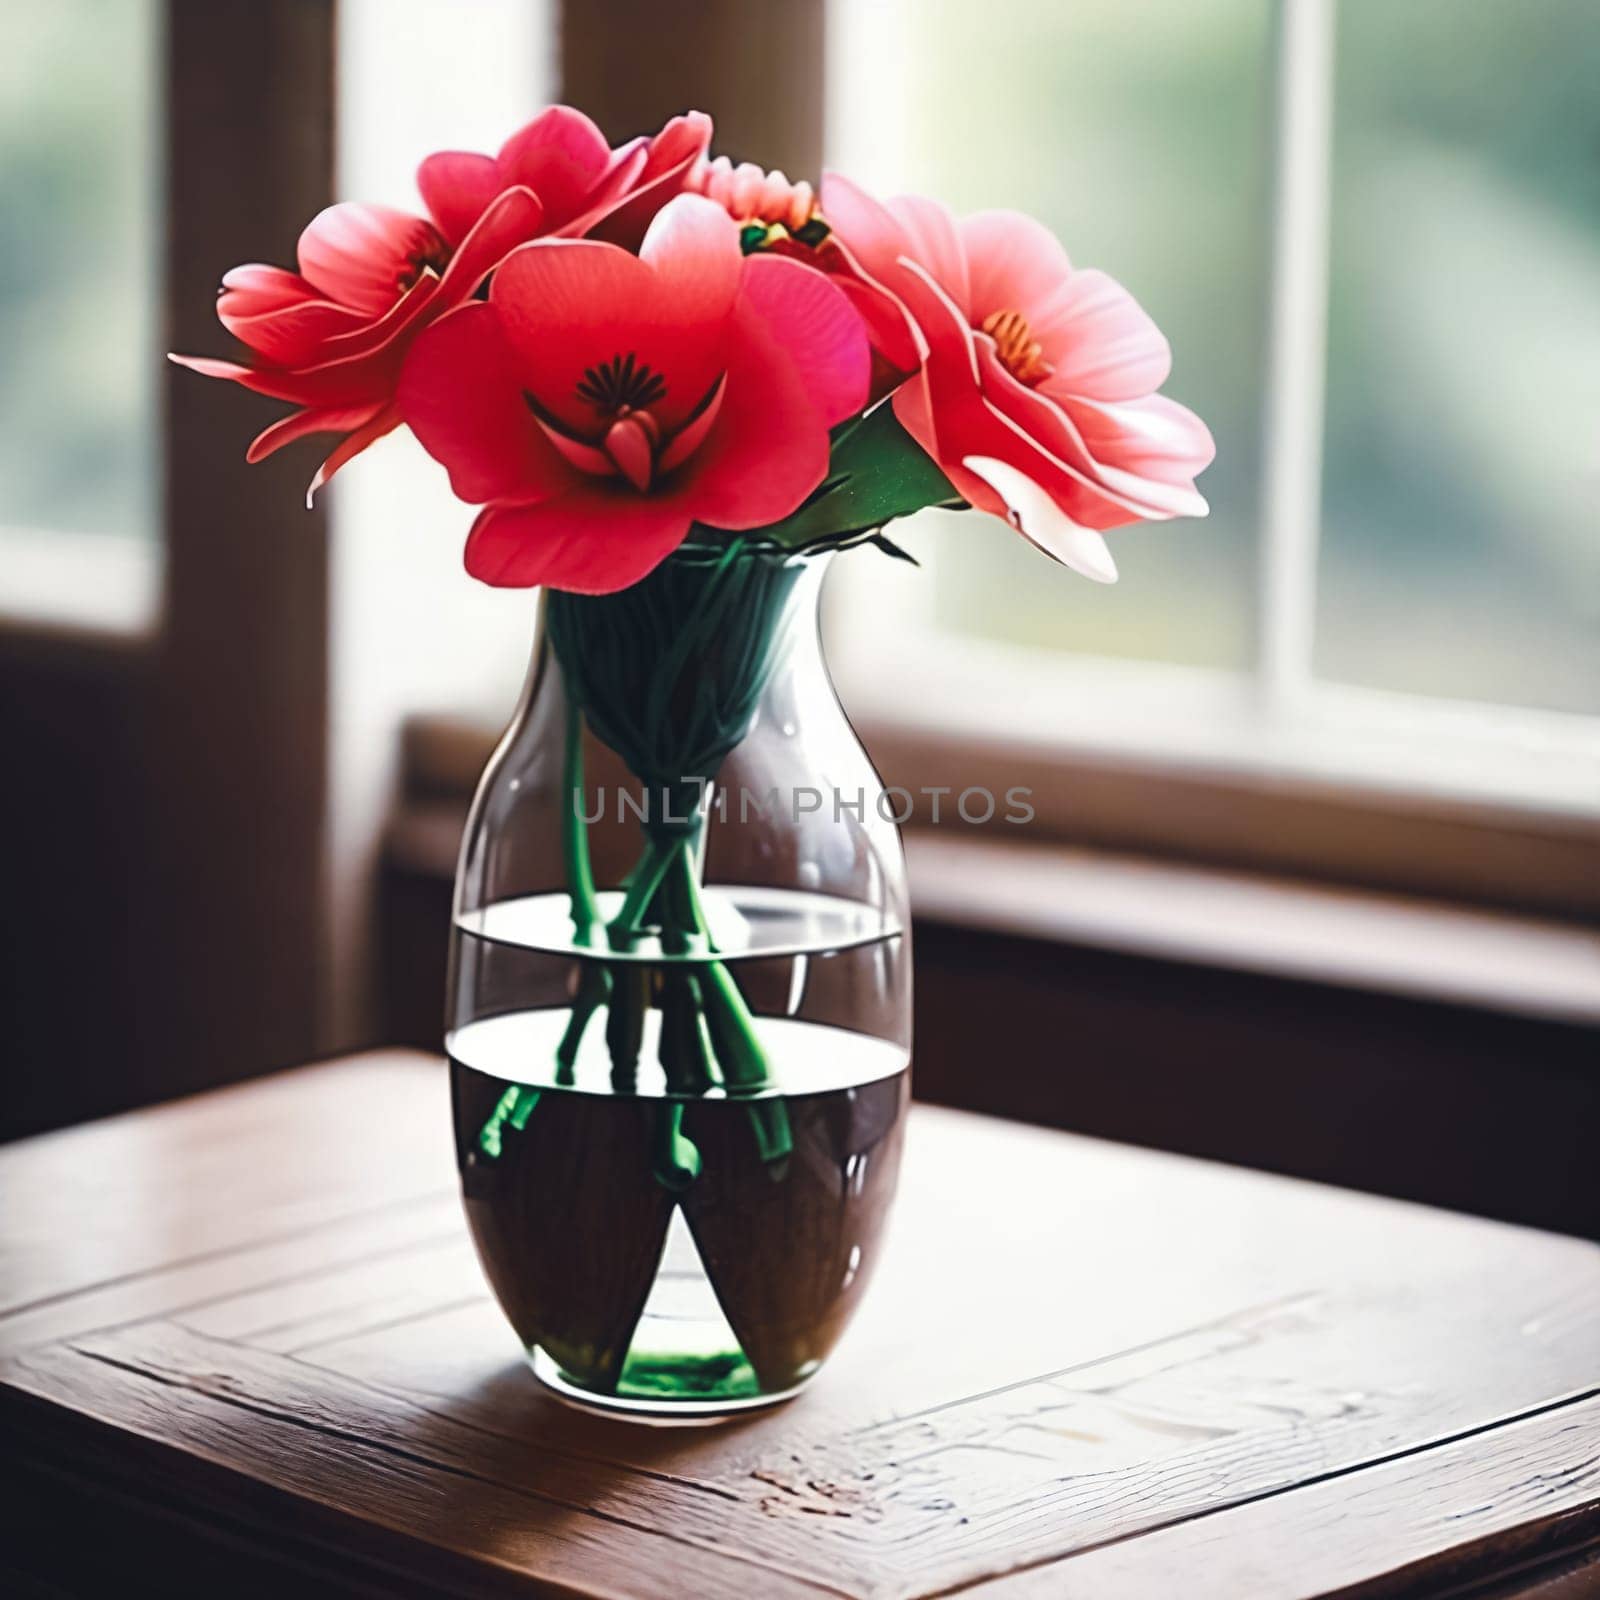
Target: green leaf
(877,472)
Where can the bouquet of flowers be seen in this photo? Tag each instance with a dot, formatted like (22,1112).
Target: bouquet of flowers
(670,384)
(609,348)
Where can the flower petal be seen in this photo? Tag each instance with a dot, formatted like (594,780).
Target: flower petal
(564,305)
(692,245)
(947,350)
(561,155)
(373,336)
(964,403)
(386,421)
(1155,441)
(327,419)
(1092,490)
(460,394)
(1100,340)
(361,256)
(894,348)
(508,220)
(456,186)
(689,438)
(1015,262)
(870,232)
(285,335)
(818,327)
(669,157)
(572,305)
(594,540)
(621,178)
(931,239)
(275,385)
(769,447)
(1042,522)
(258,287)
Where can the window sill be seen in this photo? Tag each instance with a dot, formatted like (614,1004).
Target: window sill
(96,588)
(1280,821)
(1248,922)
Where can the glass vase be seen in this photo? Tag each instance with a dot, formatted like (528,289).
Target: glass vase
(679,996)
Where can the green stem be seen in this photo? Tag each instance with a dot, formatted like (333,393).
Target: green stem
(630,999)
(642,885)
(733,1028)
(677,1160)
(691,908)
(733,1031)
(738,1047)
(683,930)
(575,831)
(594,990)
(769,1121)
(630,983)
(687,1055)
(515,1106)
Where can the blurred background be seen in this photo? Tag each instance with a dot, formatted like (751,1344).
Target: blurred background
(1315,870)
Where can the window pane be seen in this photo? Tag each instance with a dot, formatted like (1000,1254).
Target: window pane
(1462,472)
(1136,130)
(78,262)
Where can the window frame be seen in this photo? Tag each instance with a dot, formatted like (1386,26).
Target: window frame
(171,772)
(1271,769)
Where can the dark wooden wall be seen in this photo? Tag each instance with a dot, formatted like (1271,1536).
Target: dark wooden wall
(754,65)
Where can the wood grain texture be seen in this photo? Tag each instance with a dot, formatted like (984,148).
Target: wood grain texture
(99,1206)
(252,1322)
(1420,1523)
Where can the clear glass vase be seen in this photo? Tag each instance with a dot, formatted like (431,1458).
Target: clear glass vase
(679,999)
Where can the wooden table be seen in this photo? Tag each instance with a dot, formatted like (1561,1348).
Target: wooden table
(245,1349)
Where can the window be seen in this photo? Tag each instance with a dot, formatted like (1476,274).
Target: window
(1373,235)
(79,270)
(413,77)
(1461,480)
(162,604)
(407,630)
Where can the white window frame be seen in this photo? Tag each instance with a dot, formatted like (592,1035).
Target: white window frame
(1277,727)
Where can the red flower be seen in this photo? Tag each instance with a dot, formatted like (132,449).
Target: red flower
(331,338)
(600,402)
(585,187)
(1034,383)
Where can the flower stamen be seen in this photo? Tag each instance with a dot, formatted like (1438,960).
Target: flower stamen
(1020,353)
(622,384)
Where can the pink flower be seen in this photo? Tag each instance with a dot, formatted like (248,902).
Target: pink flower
(751,194)
(584,186)
(1034,385)
(331,337)
(599,403)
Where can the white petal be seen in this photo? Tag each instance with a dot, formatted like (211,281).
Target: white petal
(1042,522)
